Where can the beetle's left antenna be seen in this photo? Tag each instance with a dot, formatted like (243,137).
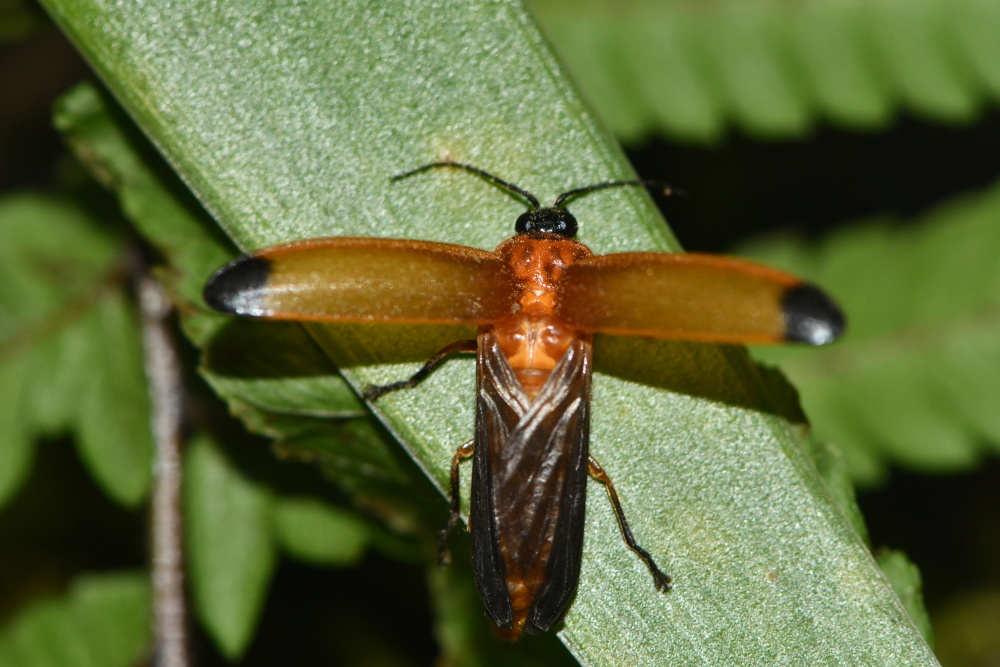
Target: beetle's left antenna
(495,180)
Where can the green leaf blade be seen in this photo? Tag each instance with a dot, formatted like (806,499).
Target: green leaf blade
(16,450)
(906,581)
(231,546)
(102,621)
(116,440)
(744,48)
(912,47)
(836,67)
(315,532)
(63,370)
(774,69)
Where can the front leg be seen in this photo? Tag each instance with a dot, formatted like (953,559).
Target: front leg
(373,391)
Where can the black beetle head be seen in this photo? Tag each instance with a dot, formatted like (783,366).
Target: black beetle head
(549,219)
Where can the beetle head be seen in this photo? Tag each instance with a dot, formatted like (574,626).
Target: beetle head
(547,219)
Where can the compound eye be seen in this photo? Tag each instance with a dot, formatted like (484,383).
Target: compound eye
(523,223)
(564,224)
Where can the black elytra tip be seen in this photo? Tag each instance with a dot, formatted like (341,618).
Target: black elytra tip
(238,287)
(811,316)
(548,219)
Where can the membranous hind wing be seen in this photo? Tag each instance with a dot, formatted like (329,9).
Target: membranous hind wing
(529,487)
(365,280)
(705,298)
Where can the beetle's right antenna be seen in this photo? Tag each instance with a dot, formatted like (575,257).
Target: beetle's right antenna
(587,189)
(495,180)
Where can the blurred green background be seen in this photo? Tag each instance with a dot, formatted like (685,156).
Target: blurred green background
(857,144)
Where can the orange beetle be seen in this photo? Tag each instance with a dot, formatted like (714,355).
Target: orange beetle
(537,300)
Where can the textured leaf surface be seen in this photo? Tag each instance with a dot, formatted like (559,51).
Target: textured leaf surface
(914,380)
(269,124)
(690,70)
(102,621)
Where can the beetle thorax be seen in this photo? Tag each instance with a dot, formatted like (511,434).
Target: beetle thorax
(534,338)
(538,260)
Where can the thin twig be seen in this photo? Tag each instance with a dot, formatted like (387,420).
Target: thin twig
(170,623)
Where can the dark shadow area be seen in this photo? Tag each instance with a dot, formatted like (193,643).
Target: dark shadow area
(258,349)
(377,613)
(245,348)
(948,525)
(744,188)
(261,349)
(329,617)
(60,525)
(719,373)
(33,72)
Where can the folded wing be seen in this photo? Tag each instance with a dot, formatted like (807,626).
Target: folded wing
(529,487)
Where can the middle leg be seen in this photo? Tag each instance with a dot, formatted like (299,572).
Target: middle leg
(463,452)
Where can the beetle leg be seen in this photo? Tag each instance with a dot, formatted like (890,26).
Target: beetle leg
(661,580)
(463,452)
(374,391)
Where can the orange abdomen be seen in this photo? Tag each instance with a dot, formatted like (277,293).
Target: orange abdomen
(533,346)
